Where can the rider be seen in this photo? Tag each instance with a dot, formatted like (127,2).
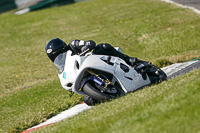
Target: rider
(57,46)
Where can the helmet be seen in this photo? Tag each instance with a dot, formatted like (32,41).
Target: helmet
(55,47)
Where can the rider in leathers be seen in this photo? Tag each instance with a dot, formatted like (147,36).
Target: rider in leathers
(57,46)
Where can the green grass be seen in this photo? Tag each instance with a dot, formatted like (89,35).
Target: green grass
(34,105)
(150,30)
(170,107)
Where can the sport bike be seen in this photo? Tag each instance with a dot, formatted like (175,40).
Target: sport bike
(100,78)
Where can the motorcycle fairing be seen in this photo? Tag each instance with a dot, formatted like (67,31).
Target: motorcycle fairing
(92,78)
(129,81)
(70,71)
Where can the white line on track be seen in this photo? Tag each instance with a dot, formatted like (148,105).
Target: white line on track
(183,6)
(63,115)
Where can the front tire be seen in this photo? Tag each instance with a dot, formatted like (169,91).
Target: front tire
(89,101)
(93,91)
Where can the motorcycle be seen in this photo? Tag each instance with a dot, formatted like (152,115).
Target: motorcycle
(100,78)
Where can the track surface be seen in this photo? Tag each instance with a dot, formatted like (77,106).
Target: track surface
(190,3)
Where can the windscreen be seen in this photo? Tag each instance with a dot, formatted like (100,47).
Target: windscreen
(59,62)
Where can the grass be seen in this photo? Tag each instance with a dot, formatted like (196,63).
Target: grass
(31,106)
(170,107)
(150,30)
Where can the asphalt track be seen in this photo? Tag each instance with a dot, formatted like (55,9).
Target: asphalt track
(190,3)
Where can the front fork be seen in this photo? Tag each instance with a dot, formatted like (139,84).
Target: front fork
(94,77)
(105,80)
(97,79)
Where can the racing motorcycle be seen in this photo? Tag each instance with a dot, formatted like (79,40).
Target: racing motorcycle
(100,78)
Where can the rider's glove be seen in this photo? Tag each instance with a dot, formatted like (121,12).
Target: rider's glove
(89,45)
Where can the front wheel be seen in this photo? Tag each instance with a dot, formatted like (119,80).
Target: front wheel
(100,93)
(89,101)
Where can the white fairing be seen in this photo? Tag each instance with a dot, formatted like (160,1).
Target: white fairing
(68,76)
(76,66)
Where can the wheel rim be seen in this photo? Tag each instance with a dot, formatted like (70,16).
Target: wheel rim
(109,90)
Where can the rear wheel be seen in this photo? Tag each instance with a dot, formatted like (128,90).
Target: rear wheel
(100,93)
